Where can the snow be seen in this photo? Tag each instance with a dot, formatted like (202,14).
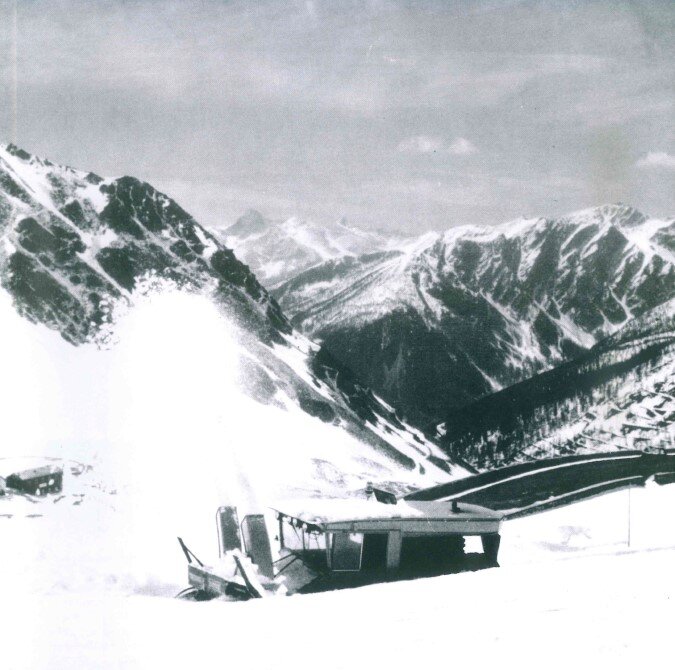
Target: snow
(210,247)
(34,175)
(89,577)
(162,410)
(570,591)
(96,197)
(33,179)
(320,511)
(642,237)
(523,475)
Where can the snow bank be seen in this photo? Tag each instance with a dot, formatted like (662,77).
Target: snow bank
(612,609)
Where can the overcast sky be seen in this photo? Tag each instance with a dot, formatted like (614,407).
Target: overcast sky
(397,115)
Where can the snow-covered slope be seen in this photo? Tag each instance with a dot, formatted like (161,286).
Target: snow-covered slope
(279,250)
(451,317)
(75,250)
(620,395)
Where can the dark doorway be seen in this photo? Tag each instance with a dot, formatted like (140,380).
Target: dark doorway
(432,554)
(374,555)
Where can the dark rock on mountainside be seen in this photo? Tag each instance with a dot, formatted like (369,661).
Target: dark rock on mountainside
(74,241)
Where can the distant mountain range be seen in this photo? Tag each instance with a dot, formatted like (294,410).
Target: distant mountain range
(73,243)
(279,250)
(532,338)
(447,318)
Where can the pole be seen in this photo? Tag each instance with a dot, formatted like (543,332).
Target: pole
(629,488)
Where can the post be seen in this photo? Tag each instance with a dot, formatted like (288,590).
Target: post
(629,488)
(490,543)
(394,542)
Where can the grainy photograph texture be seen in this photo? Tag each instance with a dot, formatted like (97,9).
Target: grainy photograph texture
(337,334)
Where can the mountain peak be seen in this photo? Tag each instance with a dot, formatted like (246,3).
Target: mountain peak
(250,222)
(616,214)
(73,241)
(31,165)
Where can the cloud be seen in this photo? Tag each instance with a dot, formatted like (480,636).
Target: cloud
(462,147)
(291,106)
(421,144)
(657,159)
(427,144)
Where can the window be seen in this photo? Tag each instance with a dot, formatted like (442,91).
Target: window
(346,552)
(295,536)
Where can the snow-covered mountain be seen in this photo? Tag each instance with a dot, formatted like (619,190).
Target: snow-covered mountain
(73,246)
(620,395)
(451,317)
(279,250)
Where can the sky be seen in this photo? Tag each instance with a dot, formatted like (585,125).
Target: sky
(402,116)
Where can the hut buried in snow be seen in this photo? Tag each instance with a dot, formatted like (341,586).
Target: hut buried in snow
(37,481)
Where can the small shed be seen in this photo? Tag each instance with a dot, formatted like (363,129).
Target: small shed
(37,481)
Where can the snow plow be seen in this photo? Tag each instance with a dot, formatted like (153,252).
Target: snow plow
(321,545)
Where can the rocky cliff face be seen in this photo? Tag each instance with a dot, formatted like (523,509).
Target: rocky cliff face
(72,241)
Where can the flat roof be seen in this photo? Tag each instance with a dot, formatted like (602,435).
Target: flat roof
(328,514)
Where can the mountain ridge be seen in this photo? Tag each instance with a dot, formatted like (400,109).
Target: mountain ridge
(475,309)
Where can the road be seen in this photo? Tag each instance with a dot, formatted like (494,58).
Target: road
(528,488)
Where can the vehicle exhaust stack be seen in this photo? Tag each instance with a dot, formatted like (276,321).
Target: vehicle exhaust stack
(229,536)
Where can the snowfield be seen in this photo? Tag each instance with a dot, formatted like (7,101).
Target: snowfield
(154,435)
(570,591)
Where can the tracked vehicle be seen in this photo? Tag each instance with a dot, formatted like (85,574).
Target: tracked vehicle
(319,545)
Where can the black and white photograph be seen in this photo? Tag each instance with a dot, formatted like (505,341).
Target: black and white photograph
(337,334)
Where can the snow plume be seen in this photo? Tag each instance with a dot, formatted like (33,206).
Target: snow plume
(157,416)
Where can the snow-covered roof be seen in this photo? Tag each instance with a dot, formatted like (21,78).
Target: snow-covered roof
(326,512)
(41,471)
